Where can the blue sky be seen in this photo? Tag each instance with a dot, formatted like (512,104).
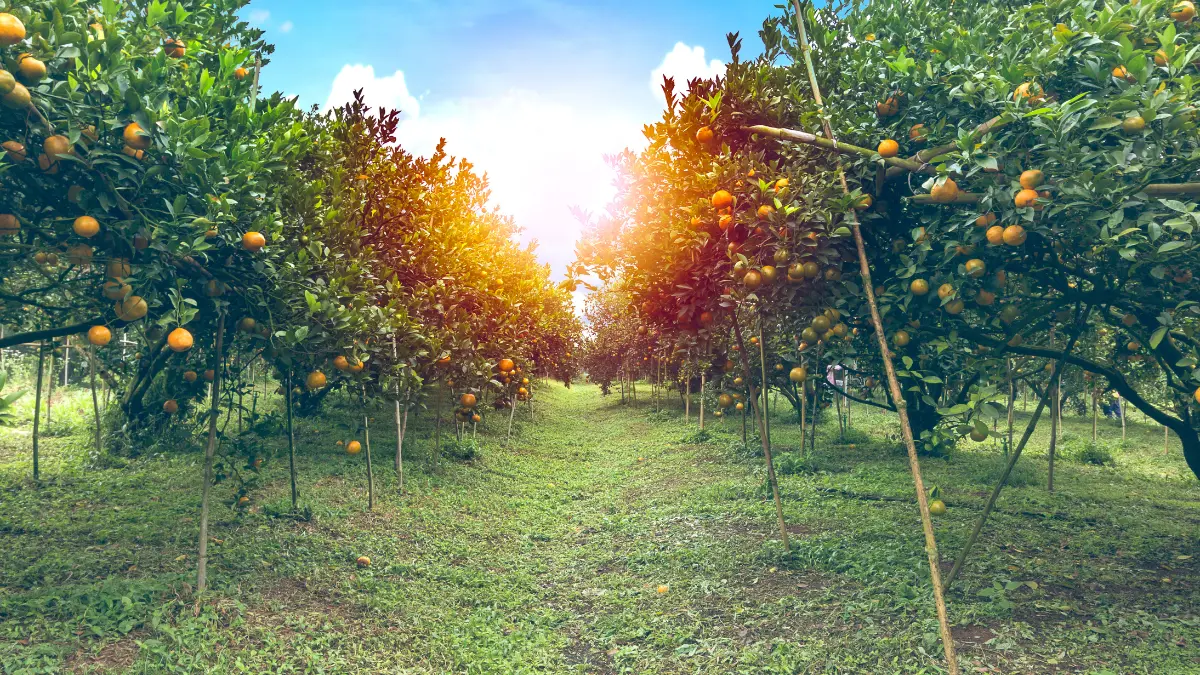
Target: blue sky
(535,92)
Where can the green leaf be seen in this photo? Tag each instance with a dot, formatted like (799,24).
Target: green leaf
(1157,337)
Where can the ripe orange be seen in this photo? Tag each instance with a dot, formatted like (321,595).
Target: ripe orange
(86,227)
(99,335)
(945,192)
(174,48)
(1026,198)
(253,241)
(48,164)
(918,133)
(704,135)
(1121,73)
(57,145)
(975,267)
(752,280)
(315,380)
(135,137)
(1014,235)
(170,406)
(781,184)
(444,361)
(476,418)
(353,448)
(134,152)
(721,199)
(919,287)
(30,69)
(190,376)
(1031,179)
(467,400)
(765,211)
(12,30)
(80,254)
(240,73)
(944,291)
(1160,58)
(985,298)
(363,561)
(9,224)
(180,340)
(954,307)
(725,221)
(1197,395)
(864,202)
(242,501)
(15,151)
(18,98)
(888,107)
(888,148)
(118,268)
(209,375)
(995,235)
(798,374)
(131,309)
(341,363)
(505,365)
(1183,11)
(1031,91)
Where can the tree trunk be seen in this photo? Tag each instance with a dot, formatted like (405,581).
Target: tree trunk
(209,451)
(291,442)
(37,407)
(50,384)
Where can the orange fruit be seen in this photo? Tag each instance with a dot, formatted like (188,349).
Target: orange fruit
(944,291)
(467,400)
(1030,91)
(131,309)
(901,338)
(209,375)
(888,107)
(242,501)
(30,69)
(12,30)
(1183,11)
(1160,58)
(937,507)
(86,227)
(174,48)
(944,192)
(704,135)
(315,380)
(985,298)
(118,268)
(180,340)
(134,152)
(1031,179)
(253,241)
(798,374)
(954,307)
(170,406)
(9,224)
(975,267)
(353,448)
(215,288)
(918,133)
(363,561)
(1133,124)
(341,363)
(781,184)
(135,137)
(721,199)
(725,221)
(1196,395)
(15,151)
(80,254)
(1121,73)
(48,164)
(505,365)
(1026,198)
(476,417)
(99,335)
(765,211)
(888,148)
(240,73)
(995,235)
(752,280)
(18,98)
(919,287)
(864,202)
(57,145)
(247,324)
(1014,235)
(356,366)
(190,376)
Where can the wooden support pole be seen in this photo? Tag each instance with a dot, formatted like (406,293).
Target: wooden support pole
(209,451)
(37,406)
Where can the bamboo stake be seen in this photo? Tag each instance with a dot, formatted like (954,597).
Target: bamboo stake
(37,406)
(367,445)
(209,450)
(762,361)
(1011,404)
(291,441)
(50,384)
(762,430)
(703,372)
(399,425)
(95,398)
(893,383)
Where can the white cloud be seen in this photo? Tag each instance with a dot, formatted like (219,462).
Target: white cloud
(390,91)
(684,63)
(259,16)
(286,27)
(541,156)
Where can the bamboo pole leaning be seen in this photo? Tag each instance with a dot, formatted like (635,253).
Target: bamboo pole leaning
(889,368)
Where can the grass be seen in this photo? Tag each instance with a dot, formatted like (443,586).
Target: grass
(546,555)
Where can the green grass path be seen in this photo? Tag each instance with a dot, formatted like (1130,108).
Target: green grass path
(601,540)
